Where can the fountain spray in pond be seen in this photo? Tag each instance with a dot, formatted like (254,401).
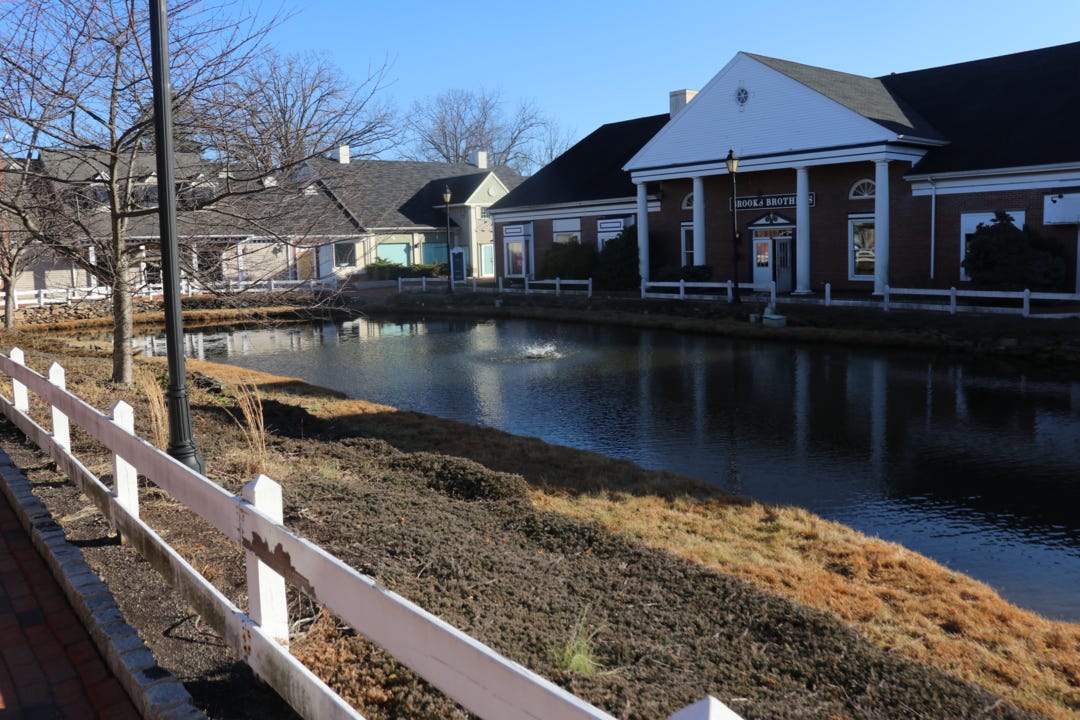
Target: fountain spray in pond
(541,351)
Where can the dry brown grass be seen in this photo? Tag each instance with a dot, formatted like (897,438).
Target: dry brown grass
(156,411)
(897,598)
(252,425)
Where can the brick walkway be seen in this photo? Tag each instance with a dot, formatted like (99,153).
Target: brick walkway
(49,667)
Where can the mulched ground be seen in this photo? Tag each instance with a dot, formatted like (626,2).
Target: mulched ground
(464,543)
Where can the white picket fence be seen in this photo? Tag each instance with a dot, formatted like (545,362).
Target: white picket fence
(556,286)
(477,677)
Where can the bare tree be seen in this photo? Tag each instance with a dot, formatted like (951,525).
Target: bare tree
(279,111)
(455,125)
(77,96)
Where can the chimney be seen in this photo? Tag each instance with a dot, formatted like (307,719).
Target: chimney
(343,154)
(678,99)
(480,160)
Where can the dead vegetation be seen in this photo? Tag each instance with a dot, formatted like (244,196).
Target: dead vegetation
(530,547)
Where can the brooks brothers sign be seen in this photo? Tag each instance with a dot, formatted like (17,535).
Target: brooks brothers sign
(769,202)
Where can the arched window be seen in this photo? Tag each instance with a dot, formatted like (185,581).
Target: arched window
(864,189)
(688,202)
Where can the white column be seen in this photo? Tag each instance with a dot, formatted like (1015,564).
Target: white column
(802,231)
(881,226)
(699,221)
(643,231)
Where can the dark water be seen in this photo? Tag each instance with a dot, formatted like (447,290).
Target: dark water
(976,470)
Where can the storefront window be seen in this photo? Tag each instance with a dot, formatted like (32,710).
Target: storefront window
(862,248)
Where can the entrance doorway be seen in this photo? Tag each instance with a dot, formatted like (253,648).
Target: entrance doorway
(772,256)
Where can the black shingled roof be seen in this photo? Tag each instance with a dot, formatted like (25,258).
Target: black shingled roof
(870,97)
(1008,111)
(589,171)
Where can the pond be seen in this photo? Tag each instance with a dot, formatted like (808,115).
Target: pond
(976,469)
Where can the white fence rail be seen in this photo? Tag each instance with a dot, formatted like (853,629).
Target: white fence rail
(952,304)
(478,678)
(682,286)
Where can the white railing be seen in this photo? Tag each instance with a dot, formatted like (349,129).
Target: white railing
(952,304)
(716,288)
(57,296)
(477,677)
(557,285)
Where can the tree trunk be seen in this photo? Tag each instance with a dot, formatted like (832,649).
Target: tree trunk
(9,304)
(123,327)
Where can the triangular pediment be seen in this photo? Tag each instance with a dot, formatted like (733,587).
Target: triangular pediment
(757,111)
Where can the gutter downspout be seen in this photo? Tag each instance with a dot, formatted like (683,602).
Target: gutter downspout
(933,224)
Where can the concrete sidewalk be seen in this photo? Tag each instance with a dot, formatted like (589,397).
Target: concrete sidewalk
(65,650)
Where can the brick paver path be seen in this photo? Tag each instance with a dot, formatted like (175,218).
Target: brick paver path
(49,666)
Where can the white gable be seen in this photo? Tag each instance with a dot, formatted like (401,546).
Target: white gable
(778,115)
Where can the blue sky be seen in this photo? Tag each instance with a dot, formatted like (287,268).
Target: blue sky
(589,62)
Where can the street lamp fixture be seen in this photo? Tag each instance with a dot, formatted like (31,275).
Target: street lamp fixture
(732,163)
(182,445)
(449,257)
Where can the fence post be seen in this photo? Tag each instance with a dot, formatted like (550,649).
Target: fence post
(400,285)
(682,289)
(772,293)
(267,603)
(500,284)
(18,390)
(474,283)
(643,285)
(557,287)
(590,288)
(126,480)
(952,300)
(61,427)
(828,294)
(423,283)
(730,291)
(708,708)
(41,297)
(1027,302)
(526,284)
(885,299)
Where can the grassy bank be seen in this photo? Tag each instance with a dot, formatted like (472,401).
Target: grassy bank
(589,542)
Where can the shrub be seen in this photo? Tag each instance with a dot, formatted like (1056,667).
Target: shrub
(569,261)
(386,270)
(617,263)
(1002,256)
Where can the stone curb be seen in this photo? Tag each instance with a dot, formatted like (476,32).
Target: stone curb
(156,693)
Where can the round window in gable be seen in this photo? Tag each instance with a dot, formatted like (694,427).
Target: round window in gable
(742,95)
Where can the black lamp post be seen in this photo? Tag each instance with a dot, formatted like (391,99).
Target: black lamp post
(732,163)
(182,445)
(449,257)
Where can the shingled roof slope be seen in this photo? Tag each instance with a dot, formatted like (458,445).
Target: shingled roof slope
(591,170)
(869,97)
(402,193)
(1001,112)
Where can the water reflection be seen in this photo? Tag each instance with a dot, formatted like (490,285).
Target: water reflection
(976,470)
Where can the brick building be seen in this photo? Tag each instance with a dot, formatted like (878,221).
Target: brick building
(854,181)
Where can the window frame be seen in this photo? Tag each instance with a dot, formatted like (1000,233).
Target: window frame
(566,231)
(686,235)
(351,245)
(854,220)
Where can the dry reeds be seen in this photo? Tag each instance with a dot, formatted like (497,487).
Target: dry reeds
(156,410)
(252,425)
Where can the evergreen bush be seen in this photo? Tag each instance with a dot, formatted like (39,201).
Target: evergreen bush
(1002,256)
(617,263)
